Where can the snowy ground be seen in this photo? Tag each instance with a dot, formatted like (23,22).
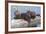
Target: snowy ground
(20,23)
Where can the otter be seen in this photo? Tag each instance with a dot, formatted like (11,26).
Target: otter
(28,16)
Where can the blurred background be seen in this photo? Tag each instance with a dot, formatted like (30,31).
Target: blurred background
(24,9)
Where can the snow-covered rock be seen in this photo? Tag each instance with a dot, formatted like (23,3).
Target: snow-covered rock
(19,23)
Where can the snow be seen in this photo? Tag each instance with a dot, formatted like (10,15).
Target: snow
(20,23)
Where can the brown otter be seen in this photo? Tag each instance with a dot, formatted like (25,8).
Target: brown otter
(28,16)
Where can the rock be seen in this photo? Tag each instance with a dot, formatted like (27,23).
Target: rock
(19,23)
